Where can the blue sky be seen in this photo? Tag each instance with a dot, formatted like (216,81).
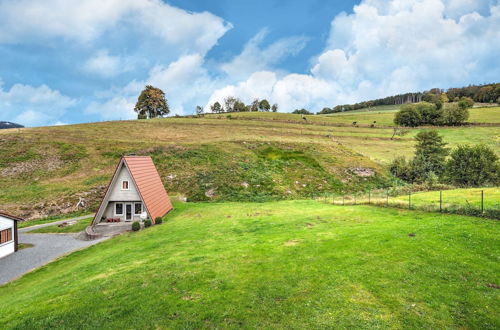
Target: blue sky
(87,60)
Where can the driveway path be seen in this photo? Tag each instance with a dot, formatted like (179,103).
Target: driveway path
(47,247)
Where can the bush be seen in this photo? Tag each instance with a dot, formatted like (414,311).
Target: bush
(158,220)
(302,112)
(454,114)
(429,113)
(147,223)
(408,116)
(401,169)
(136,226)
(473,166)
(465,102)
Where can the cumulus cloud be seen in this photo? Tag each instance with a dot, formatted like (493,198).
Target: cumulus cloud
(29,106)
(389,47)
(28,21)
(254,57)
(105,65)
(185,78)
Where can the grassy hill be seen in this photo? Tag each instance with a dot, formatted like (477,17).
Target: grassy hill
(239,156)
(289,264)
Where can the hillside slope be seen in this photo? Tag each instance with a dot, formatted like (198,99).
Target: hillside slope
(238,156)
(47,170)
(289,264)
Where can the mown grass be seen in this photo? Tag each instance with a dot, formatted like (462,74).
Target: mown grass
(24,224)
(76,227)
(289,264)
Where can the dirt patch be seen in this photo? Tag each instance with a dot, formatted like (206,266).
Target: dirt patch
(362,171)
(291,242)
(494,286)
(47,164)
(310,225)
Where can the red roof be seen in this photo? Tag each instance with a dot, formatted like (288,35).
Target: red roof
(149,185)
(5,215)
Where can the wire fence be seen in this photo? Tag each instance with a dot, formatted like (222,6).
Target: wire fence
(476,202)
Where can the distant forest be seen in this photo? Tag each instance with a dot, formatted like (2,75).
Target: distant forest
(488,93)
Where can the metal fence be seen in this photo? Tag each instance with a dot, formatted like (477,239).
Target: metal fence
(474,202)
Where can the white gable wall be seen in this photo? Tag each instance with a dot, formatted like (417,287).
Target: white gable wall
(7,248)
(119,195)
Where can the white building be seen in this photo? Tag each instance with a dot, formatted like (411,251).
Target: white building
(8,234)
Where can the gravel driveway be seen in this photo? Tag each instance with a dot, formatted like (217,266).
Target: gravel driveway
(47,247)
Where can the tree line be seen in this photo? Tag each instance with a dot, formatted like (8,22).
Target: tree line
(426,113)
(467,165)
(487,93)
(234,104)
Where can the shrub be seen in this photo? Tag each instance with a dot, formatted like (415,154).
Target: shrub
(465,102)
(147,223)
(429,113)
(473,166)
(158,220)
(454,114)
(408,116)
(136,226)
(401,169)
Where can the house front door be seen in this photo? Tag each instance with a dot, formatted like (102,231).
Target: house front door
(128,212)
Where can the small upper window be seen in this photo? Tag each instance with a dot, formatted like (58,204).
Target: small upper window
(124,185)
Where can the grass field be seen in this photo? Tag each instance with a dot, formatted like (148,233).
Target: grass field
(77,227)
(44,171)
(287,265)
(461,201)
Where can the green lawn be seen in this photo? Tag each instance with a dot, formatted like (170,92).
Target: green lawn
(291,264)
(24,224)
(79,226)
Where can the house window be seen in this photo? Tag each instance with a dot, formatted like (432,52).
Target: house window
(119,209)
(5,235)
(125,185)
(138,208)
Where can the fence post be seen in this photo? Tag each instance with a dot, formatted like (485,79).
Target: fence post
(440,201)
(369,196)
(354,199)
(387,198)
(409,200)
(482,201)
(343,200)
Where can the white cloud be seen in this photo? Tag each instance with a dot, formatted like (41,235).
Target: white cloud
(388,47)
(185,82)
(30,106)
(25,21)
(105,65)
(256,58)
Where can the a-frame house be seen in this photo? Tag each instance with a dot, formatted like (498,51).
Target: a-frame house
(135,188)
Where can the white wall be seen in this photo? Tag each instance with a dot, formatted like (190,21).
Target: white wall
(7,248)
(119,195)
(109,212)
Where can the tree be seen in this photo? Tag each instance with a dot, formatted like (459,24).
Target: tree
(430,154)
(274,108)
(408,116)
(465,103)
(264,105)
(399,131)
(255,105)
(454,114)
(301,112)
(216,107)
(199,110)
(473,166)
(239,106)
(151,103)
(429,113)
(229,103)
